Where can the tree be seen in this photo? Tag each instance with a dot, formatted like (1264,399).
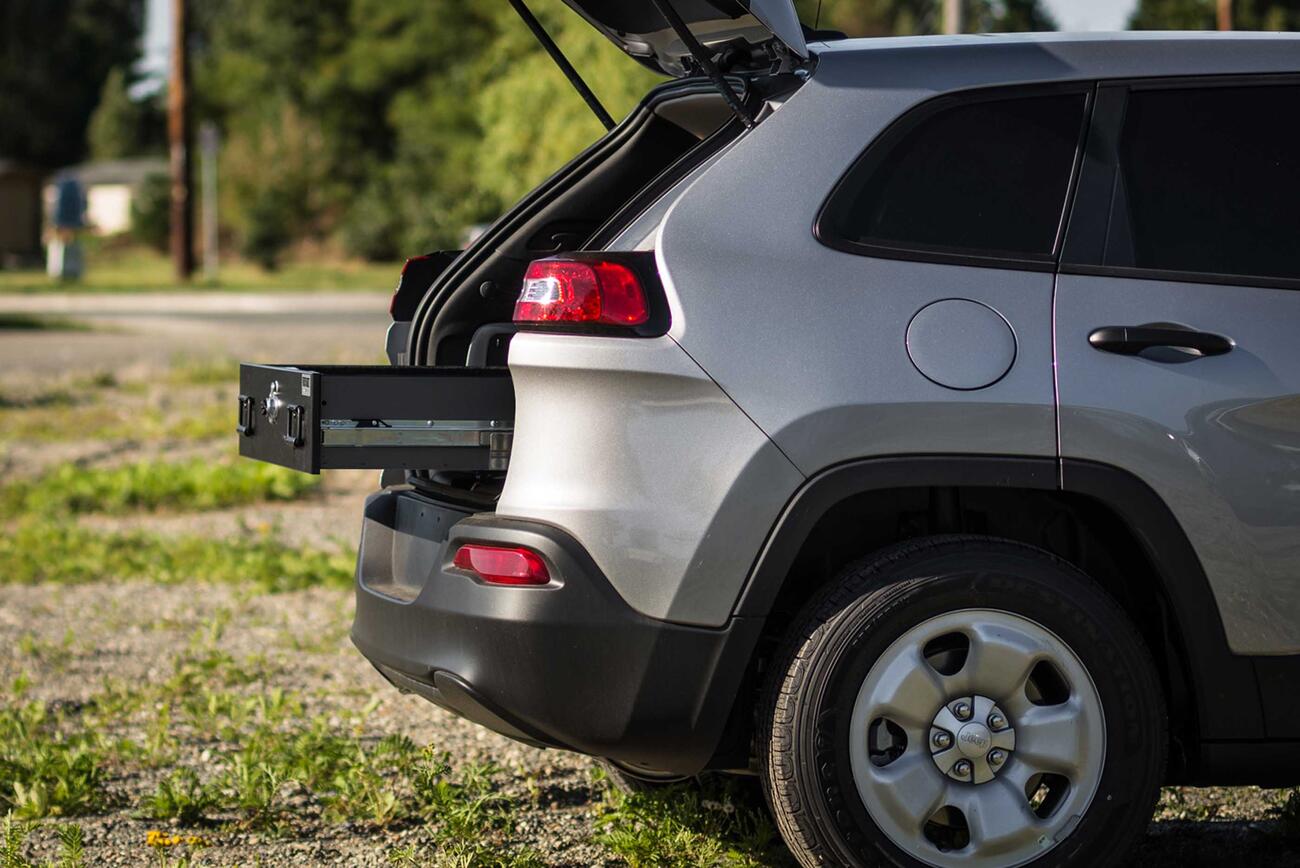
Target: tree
(54,58)
(1200,15)
(123,126)
(909,17)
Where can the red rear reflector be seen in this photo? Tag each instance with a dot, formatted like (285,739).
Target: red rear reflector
(569,291)
(502,566)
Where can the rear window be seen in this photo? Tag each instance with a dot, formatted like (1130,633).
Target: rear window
(1209,182)
(984,177)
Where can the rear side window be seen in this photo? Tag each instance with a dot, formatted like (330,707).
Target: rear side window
(1209,182)
(983,177)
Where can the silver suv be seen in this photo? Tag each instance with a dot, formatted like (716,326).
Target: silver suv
(913,423)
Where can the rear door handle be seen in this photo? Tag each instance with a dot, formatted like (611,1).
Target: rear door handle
(1131,340)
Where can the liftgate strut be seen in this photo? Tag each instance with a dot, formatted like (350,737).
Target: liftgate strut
(693,45)
(562,62)
(702,57)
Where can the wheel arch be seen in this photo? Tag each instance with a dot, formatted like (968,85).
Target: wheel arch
(1105,512)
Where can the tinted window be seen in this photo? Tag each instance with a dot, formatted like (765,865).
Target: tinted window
(1210,182)
(986,178)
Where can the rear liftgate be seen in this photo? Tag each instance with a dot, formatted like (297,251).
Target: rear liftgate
(318,417)
(322,417)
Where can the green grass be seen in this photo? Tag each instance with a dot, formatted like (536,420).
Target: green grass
(111,267)
(275,765)
(204,371)
(118,421)
(151,486)
(61,552)
(28,322)
(717,824)
(45,769)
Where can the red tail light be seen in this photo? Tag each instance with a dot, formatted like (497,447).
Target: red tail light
(502,566)
(582,291)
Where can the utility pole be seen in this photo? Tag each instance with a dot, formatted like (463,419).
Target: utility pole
(1225,14)
(178,137)
(952,16)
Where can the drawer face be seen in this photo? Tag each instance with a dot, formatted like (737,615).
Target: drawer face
(314,417)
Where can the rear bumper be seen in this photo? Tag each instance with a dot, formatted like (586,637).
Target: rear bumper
(567,665)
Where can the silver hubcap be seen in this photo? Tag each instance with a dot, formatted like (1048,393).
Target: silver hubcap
(977,739)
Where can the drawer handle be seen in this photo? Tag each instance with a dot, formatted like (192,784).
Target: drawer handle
(246,416)
(293,418)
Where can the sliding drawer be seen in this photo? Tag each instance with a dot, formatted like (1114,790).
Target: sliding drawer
(319,417)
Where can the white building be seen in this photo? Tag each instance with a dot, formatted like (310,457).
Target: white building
(109,187)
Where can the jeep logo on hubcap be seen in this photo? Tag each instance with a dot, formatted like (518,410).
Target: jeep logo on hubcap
(973,740)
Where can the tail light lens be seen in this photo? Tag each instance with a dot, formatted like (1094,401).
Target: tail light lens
(593,291)
(502,566)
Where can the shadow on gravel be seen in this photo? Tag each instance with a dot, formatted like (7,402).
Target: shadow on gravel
(1192,844)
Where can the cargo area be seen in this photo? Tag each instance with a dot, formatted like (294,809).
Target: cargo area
(442,414)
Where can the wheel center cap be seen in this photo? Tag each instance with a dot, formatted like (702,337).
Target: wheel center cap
(973,740)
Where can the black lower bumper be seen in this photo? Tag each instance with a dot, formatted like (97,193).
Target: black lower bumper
(566,665)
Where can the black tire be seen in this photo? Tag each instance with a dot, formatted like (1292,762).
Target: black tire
(830,648)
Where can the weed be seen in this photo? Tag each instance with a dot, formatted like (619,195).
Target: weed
(72,851)
(43,771)
(684,825)
(259,560)
(13,839)
(1288,814)
(180,796)
(200,484)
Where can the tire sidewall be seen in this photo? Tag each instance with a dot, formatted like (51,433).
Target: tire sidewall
(1034,587)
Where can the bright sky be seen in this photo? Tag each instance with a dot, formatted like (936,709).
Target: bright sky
(1091,14)
(1070,14)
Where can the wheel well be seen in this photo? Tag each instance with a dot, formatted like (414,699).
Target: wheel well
(1074,527)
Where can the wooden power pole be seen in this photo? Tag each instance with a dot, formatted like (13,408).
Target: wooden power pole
(952,16)
(1225,14)
(178,137)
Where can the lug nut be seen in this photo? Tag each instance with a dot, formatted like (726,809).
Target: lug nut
(962,710)
(963,768)
(997,756)
(942,740)
(997,721)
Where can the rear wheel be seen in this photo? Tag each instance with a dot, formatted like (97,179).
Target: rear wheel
(962,701)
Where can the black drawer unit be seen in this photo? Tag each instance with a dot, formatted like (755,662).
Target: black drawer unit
(320,417)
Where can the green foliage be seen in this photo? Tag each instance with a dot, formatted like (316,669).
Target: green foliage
(181,797)
(61,552)
(56,56)
(197,484)
(711,824)
(1200,15)
(13,839)
(907,17)
(393,124)
(278,182)
(151,215)
(123,126)
(44,770)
